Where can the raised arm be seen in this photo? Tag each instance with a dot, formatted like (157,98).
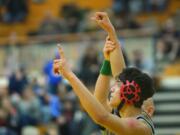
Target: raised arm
(102,84)
(116,57)
(96,111)
(88,101)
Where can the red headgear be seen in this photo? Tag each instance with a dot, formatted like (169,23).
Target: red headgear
(130,92)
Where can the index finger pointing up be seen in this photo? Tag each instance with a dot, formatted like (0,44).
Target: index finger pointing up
(61,52)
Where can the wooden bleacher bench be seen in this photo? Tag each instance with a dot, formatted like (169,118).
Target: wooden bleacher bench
(37,11)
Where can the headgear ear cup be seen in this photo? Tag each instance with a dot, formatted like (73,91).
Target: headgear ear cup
(130,92)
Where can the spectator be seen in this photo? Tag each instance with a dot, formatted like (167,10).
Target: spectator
(17,81)
(83,123)
(121,6)
(156,5)
(163,56)
(119,22)
(136,6)
(171,37)
(8,116)
(3,113)
(66,122)
(72,15)
(28,104)
(52,80)
(1,8)
(16,10)
(51,107)
(89,66)
(141,62)
(36,86)
(175,18)
(169,33)
(86,25)
(132,23)
(51,25)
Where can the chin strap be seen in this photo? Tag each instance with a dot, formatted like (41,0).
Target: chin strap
(120,106)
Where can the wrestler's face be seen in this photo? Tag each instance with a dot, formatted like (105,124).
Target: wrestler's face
(114,97)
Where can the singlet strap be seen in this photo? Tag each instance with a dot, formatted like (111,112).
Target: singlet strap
(149,124)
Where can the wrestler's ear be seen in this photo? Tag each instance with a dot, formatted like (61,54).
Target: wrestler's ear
(150,111)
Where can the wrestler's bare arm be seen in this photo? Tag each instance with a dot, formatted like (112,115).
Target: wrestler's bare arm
(116,57)
(124,126)
(103,82)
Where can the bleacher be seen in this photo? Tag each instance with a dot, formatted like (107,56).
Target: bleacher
(167,118)
(173,5)
(37,11)
(167,102)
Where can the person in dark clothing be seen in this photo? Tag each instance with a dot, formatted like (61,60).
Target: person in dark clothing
(89,66)
(17,82)
(16,10)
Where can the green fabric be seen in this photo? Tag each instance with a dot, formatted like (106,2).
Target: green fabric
(106,68)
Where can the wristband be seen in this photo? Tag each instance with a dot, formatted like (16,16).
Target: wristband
(106,68)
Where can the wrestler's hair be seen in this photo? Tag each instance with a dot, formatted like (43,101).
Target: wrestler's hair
(144,81)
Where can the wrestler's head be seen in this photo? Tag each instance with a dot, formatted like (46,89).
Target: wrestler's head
(132,87)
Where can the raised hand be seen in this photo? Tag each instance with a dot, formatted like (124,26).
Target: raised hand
(60,66)
(108,48)
(103,21)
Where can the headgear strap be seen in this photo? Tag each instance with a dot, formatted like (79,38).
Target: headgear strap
(130,92)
